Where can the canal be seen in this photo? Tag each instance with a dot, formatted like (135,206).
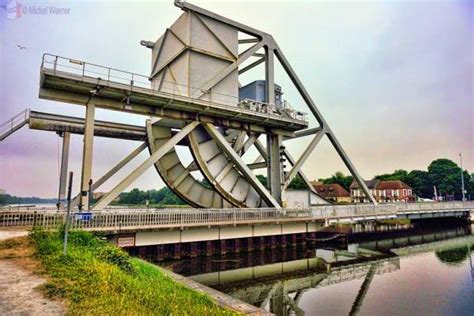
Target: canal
(423,269)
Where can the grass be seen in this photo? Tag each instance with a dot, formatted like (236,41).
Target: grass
(98,278)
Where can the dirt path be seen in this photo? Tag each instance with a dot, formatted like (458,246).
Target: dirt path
(18,293)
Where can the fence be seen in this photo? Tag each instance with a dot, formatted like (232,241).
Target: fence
(13,124)
(59,64)
(156,218)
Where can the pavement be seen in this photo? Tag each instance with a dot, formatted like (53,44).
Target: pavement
(18,288)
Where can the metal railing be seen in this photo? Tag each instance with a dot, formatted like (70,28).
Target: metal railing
(168,218)
(16,122)
(84,69)
(122,219)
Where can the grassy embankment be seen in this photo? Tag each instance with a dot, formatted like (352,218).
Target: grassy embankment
(96,277)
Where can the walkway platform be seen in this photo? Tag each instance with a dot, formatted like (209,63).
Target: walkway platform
(77,82)
(147,227)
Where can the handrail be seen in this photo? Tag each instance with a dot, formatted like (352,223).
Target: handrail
(86,69)
(14,123)
(168,218)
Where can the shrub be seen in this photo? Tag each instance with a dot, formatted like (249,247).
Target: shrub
(116,256)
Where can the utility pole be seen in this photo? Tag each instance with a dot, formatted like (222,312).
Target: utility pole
(462,179)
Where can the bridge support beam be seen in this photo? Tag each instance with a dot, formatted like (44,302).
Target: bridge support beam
(86,172)
(274,167)
(64,166)
(242,166)
(113,171)
(165,148)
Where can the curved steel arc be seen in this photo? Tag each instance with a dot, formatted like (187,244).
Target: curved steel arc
(178,177)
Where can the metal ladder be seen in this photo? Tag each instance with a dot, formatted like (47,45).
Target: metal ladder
(14,124)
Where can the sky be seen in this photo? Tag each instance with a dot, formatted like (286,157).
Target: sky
(393,79)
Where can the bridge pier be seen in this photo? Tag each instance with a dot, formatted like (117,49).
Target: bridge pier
(160,252)
(261,243)
(223,247)
(293,240)
(64,166)
(250,245)
(177,251)
(194,250)
(237,245)
(209,248)
(86,170)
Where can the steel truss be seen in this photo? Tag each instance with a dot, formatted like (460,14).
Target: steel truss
(207,144)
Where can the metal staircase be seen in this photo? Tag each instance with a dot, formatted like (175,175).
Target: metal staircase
(14,124)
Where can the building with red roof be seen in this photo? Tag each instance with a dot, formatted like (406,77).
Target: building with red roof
(383,191)
(333,192)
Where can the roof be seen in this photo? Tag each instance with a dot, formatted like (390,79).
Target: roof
(382,185)
(331,190)
(369,183)
(392,184)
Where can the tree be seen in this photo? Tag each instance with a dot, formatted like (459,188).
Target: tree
(339,178)
(163,196)
(446,176)
(470,186)
(421,183)
(398,174)
(262,180)
(135,196)
(296,184)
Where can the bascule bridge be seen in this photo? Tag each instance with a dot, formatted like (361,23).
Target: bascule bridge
(195,97)
(192,99)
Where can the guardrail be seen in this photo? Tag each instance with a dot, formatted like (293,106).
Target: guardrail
(145,218)
(14,123)
(156,218)
(84,69)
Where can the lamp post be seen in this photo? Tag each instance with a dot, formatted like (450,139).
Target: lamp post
(462,179)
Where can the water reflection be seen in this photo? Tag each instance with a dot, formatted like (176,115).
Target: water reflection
(422,271)
(455,256)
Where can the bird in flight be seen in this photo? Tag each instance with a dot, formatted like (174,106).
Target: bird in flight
(21,47)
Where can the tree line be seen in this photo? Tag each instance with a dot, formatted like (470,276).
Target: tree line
(444,174)
(7,199)
(165,196)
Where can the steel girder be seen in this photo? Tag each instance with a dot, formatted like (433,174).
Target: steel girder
(265,40)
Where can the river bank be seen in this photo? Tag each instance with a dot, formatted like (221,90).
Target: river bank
(98,277)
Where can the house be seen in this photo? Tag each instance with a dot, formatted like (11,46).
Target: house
(394,191)
(383,191)
(357,195)
(333,192)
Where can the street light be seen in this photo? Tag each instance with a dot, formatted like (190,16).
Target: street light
(462,180)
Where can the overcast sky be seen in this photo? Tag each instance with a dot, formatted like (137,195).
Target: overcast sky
(394,79)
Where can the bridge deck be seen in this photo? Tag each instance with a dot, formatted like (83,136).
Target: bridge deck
(156,219)
(71,81)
